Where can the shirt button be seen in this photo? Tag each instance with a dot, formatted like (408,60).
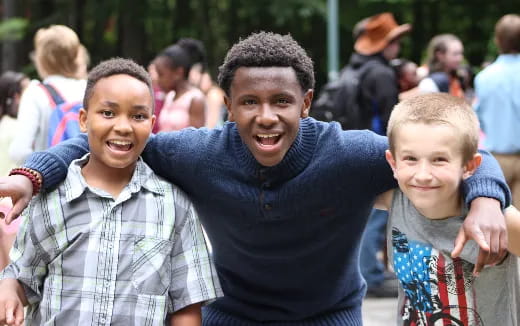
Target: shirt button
(110,245)
(268,207)
(107,284)
(103,320)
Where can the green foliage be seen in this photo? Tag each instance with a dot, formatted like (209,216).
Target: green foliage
(141,28)
(13,29)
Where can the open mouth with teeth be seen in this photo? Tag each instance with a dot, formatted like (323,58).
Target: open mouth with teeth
(267,139)
(120,145)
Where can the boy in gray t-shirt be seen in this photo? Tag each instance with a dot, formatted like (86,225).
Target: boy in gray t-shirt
(433,147)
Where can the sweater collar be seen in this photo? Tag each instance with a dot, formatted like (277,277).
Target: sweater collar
(297,158)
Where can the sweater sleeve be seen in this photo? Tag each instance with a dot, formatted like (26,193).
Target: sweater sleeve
(54,162)
(488,181)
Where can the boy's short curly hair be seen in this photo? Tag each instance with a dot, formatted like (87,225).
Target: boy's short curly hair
(266,49)
(115,66)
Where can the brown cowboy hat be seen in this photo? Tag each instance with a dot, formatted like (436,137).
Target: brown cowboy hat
(378,32)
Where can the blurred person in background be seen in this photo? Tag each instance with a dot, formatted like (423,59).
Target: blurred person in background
(158,94)
(444,57)
(378,42)
(185,104)
(57,56)
(12,85)
(407,77)
(497,90)
(215,108)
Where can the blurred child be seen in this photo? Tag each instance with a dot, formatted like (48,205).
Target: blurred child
(60,61)
(114,243)
(433,147)
(12,85)
(216,109)
(185,104)
(407,77)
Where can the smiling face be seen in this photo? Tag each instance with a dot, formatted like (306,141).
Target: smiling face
(428,166)
(267,103)
(118,121)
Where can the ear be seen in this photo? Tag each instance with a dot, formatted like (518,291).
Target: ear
(83,120)
(391,161)
(227,102)
(471,166)
(307,101)
(154,119)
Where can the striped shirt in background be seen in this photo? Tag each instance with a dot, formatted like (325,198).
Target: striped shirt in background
(86,258)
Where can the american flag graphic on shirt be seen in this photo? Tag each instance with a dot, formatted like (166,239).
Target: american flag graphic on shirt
(438,289)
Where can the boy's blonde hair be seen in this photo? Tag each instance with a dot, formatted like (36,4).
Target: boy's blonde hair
(56,51)
(437,108)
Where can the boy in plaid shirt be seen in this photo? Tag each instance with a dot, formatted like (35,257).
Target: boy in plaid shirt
(114,244)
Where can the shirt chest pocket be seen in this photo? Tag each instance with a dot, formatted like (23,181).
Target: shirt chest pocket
(151,265)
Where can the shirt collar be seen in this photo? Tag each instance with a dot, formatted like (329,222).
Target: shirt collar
(143,177)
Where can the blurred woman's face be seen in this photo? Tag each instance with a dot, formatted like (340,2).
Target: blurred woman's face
(453,56)
(167,77)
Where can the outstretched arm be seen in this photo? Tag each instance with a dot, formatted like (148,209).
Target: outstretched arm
(52,165)
(487,193)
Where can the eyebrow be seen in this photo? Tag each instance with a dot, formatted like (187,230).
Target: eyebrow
(137,107)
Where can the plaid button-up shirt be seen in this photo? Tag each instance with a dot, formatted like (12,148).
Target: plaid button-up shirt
(86,258)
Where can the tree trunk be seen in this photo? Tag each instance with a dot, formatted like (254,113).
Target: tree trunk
(9,47)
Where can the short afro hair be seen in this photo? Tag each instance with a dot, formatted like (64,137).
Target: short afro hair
(266,49)
(115,66)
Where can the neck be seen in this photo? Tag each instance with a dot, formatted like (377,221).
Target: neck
(448,209)
(182,88)
(111,180)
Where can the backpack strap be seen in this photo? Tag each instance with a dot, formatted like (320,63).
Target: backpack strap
(442,81)
(56,97)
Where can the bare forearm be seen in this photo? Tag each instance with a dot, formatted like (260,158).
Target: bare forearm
(189,316)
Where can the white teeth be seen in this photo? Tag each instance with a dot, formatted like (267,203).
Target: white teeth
(268,136)
(120,142)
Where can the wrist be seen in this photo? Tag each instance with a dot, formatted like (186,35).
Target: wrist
(34,176)
(480,201)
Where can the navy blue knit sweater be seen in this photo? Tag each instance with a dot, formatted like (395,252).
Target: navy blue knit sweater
(285,238)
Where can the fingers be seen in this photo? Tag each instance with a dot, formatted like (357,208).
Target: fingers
(460,241)
(504,242)
(18,207)
(19,315)
(483,254)
(2,314)
(14,313)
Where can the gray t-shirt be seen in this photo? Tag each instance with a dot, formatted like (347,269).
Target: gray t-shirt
(433,287)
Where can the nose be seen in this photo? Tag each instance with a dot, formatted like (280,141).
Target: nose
(122,125)
(267,116)
(424,172)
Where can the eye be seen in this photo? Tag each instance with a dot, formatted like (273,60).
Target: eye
(249,102)
(283,100)
(107,114)
(440,159)
(139,117)
(409,158)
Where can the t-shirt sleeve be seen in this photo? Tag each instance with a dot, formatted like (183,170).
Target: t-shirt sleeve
(193,278)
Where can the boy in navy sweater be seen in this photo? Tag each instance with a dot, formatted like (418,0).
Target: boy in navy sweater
(284,198)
